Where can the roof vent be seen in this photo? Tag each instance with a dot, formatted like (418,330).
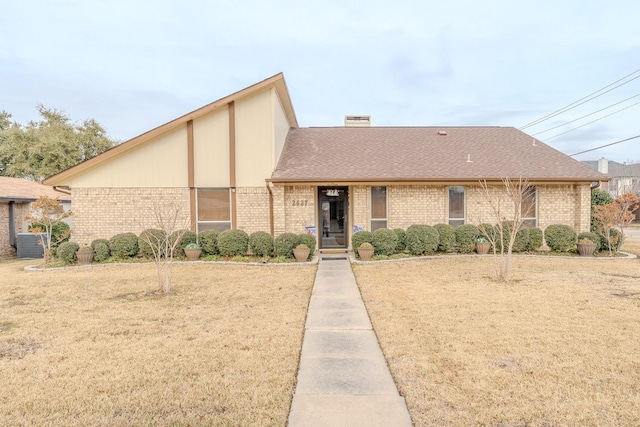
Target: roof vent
(357,121)
(442,132)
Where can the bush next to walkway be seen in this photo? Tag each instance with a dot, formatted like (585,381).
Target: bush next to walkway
(560,237)
(310,241)
(285,243)
(359,238)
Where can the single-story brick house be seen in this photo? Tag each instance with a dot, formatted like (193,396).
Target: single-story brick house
(16,196)
(242,162)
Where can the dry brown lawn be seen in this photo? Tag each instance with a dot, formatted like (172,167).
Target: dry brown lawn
(559,346)
(96,346)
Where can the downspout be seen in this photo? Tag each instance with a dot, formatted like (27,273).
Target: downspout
(271,226)
(593,187)
(12,225)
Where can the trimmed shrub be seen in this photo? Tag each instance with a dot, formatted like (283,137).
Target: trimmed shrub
(285,243)
(233,243)
(209,241)
(385,241)
(560,237)
(422,239)
(402,239)
(67,252)
(536,238)
(447,237)
(155,236)
(521,243)
(359,238)
(466,236)
(96,241)
(101,251)
(261,243)
(310,241)
(124,245)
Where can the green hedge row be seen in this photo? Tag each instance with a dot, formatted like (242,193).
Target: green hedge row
(228,243)
(421,239)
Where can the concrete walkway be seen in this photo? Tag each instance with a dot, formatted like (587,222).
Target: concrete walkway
(343,379)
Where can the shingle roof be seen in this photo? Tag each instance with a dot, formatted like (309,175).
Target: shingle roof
(423,154)
(17,189)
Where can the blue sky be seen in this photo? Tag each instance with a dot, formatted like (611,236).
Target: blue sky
(134,65)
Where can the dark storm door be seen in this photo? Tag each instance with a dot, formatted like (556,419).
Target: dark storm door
(333,214)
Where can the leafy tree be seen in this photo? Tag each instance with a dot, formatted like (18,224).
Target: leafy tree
(49,146)
(619,213)
(627,204)
(598,198)
(46,214)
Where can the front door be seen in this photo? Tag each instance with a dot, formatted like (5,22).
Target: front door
(332,230)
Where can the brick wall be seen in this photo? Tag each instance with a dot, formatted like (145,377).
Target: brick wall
(6,250)
(300,210)
(279,223)
(360,206)
(252,205)
(105,212)
(416,204)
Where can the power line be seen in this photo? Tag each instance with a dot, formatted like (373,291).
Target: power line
(582,100)
(586,115)
(606,145)
(592,121)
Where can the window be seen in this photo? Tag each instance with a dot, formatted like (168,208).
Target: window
(528,208)
(214,209)
(456,205)
(378,208)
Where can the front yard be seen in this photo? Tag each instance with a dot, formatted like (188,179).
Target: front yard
(558,346)
(97,346)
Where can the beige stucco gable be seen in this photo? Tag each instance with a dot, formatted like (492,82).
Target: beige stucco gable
(161,162)
(234,141)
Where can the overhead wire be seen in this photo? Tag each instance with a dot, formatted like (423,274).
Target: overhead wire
(588,123)
(586,115)
(606,145)
(583,100)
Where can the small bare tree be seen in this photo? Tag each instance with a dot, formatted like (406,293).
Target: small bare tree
(171,224)
(505,218)
(45,214)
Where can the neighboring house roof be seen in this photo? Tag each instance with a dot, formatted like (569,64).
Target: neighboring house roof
(22,190)
(276,81)
(423,154)
(617,169)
